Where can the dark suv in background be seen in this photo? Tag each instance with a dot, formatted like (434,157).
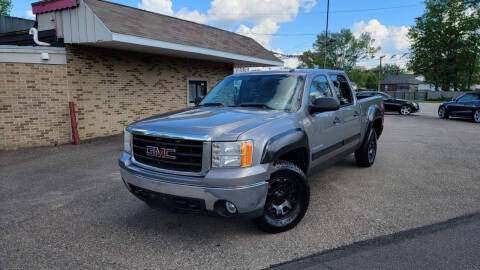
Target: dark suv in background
(465,106)
(402,106)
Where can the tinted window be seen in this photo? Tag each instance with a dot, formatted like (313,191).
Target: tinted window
(468,97)
(280,92)
(319,88)
(342,89)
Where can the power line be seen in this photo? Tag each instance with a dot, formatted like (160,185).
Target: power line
(323,12)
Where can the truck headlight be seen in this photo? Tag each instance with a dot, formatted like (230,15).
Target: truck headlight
(232,154)
(127,141)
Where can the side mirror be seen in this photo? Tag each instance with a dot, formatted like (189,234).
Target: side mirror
(198,100)
(324,104)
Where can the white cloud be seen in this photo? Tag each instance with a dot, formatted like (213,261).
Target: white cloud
(391,39)
(157,6)
(264,16)
(193,16)
(30,14)
(289,62)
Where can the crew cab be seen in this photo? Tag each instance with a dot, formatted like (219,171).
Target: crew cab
(402,106)
(246,149)
(465,106)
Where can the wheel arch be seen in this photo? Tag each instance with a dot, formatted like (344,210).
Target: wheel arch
(291,146)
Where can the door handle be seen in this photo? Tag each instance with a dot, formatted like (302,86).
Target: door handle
(337,121)
(356,114)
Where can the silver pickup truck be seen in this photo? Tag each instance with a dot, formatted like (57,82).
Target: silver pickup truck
(246,148)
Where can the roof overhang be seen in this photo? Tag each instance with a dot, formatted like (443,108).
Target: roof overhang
(52,5)
(81,25)
(133,43)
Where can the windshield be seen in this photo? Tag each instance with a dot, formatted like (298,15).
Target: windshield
(278,92)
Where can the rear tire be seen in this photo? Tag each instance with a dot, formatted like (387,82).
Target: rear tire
(476,116)
(365,156)
(442,113)
(405,110)
(287,199)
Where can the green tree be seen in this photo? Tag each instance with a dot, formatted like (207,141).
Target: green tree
(392,69)
(371,81)
(5,7)
(343,49)
(445,43)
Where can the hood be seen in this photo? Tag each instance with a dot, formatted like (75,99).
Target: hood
(208,123)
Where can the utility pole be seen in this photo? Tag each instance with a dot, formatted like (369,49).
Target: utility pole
(326,37)
(380,72)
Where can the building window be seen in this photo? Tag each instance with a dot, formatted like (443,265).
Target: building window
(196,88)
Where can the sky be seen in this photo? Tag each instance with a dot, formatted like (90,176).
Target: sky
(291,26)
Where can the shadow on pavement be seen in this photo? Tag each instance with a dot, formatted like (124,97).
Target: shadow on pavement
(452,244)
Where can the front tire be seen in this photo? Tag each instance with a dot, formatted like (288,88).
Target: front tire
(287,199)
(442,113)
(365,156)
(405,110)
(476,116)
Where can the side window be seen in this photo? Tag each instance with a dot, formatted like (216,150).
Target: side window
(319,88)
(467,97)
(342,89)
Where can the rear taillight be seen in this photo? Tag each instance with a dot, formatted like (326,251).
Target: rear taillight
(382,107)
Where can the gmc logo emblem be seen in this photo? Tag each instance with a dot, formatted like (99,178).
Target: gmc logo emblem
(165,153)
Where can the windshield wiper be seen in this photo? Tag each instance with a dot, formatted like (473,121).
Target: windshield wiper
(212,104)
(257,105)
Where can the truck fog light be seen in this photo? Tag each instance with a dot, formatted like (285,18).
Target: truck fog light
(231,208)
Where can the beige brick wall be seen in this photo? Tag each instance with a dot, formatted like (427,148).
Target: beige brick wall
(113,88)
(110,89)
(33,105)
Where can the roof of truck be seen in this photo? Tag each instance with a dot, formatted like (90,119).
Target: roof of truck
(292,71)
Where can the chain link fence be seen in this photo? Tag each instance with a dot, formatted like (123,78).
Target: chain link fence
(425,95)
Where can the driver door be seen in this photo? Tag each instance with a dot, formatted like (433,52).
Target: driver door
(323,126)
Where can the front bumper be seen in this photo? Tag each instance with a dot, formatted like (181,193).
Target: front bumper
(249,197)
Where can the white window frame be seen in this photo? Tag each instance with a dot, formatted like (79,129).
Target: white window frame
(188,92)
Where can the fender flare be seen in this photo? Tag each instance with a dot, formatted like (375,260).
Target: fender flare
(283,143)
(373,114)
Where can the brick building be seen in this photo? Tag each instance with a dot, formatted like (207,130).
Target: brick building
(117,63)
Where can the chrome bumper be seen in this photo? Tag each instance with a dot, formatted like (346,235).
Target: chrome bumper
(247,189)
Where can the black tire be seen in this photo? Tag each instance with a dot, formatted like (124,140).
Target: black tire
(365,156)
(476,116)
(288,185)
(405,110)
(442,113)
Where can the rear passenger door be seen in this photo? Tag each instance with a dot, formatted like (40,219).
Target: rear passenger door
(349,113)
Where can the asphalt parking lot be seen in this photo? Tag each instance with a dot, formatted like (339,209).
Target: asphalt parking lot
(66,207)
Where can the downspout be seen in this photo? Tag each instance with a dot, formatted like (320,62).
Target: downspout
(33,31)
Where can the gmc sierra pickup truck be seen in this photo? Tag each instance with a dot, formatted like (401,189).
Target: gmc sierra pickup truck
(246,148)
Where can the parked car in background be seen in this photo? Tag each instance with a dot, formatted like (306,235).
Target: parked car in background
(402,106)
(465,106)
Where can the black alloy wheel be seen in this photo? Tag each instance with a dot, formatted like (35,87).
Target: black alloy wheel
(287,199)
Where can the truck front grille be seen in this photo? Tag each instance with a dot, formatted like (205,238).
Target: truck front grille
(183,155)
